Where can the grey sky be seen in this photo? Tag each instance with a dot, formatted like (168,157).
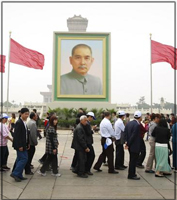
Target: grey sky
(32,25)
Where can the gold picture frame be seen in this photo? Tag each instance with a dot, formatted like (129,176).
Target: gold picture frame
(63,45)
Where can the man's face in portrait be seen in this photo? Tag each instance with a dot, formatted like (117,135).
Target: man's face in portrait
(81,60)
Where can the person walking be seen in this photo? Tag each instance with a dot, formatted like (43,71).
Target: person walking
(32,141)
(154,121)
(51,148)
(114,119)
(127,119)
(4,137)
(44,157)
(133,142)
(162,134)
(12,124)
(79,143)
(120,139)
(75,159)
(107,137)
(21,145)
(142,154)
(46,121)
(174,144)
(37,124)
(89,138)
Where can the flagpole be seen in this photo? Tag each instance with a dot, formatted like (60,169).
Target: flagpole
(151,71)
(8,72)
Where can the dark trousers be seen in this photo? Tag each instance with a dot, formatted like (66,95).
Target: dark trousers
(74,161)
(53,159)
(90,158)
(81,160)
(31,152)
(4,153)
(44,133)
(44,157)
(39,135)
(106,153)
(132,164)
(119,161)
(142,154)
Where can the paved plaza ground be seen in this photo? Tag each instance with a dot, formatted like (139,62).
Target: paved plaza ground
(101,185)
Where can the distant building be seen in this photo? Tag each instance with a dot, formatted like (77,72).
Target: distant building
(77,24)
(40,107)
(123,106)
(47,96)
(131,109)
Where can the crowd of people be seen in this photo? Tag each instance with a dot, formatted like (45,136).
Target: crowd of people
(117,132)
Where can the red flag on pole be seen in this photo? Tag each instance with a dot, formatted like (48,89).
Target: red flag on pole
(2,63)
(23,56)
(163,53)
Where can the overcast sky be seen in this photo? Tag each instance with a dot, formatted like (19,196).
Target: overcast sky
(33,24)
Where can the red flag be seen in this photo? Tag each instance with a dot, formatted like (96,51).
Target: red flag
(27,57)
(2,63)
(163,53)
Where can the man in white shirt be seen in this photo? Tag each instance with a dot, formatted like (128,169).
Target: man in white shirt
(119,134)
(107,132)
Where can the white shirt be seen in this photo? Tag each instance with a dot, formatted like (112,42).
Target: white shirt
(119,127)
(106,128)
(24,122)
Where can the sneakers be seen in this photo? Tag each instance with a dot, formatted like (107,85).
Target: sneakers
(42,174)
(57,175)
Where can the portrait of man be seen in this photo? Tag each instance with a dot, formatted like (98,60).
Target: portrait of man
(78,81)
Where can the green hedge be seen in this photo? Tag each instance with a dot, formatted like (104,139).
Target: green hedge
(67,116)
(66,123)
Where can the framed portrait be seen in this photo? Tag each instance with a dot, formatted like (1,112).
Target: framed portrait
(81,66)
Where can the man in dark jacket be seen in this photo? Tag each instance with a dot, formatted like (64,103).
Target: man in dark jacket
(21,145)
(133,141)
(89,138)
(79,143)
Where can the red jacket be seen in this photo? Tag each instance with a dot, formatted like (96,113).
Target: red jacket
(142,130)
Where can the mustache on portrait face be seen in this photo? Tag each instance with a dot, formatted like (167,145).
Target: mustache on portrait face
(82,67)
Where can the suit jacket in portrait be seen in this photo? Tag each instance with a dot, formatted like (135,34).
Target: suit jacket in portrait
(76,84)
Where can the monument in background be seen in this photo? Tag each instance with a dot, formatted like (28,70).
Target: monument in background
(77,26)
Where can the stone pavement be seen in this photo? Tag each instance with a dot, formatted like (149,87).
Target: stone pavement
(99,186)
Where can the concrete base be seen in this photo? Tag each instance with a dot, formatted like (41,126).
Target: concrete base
(88,105)
(101,185)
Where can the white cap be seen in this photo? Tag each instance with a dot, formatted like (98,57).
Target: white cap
(121,112)
(4,116)
(137,114)
(91,114)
